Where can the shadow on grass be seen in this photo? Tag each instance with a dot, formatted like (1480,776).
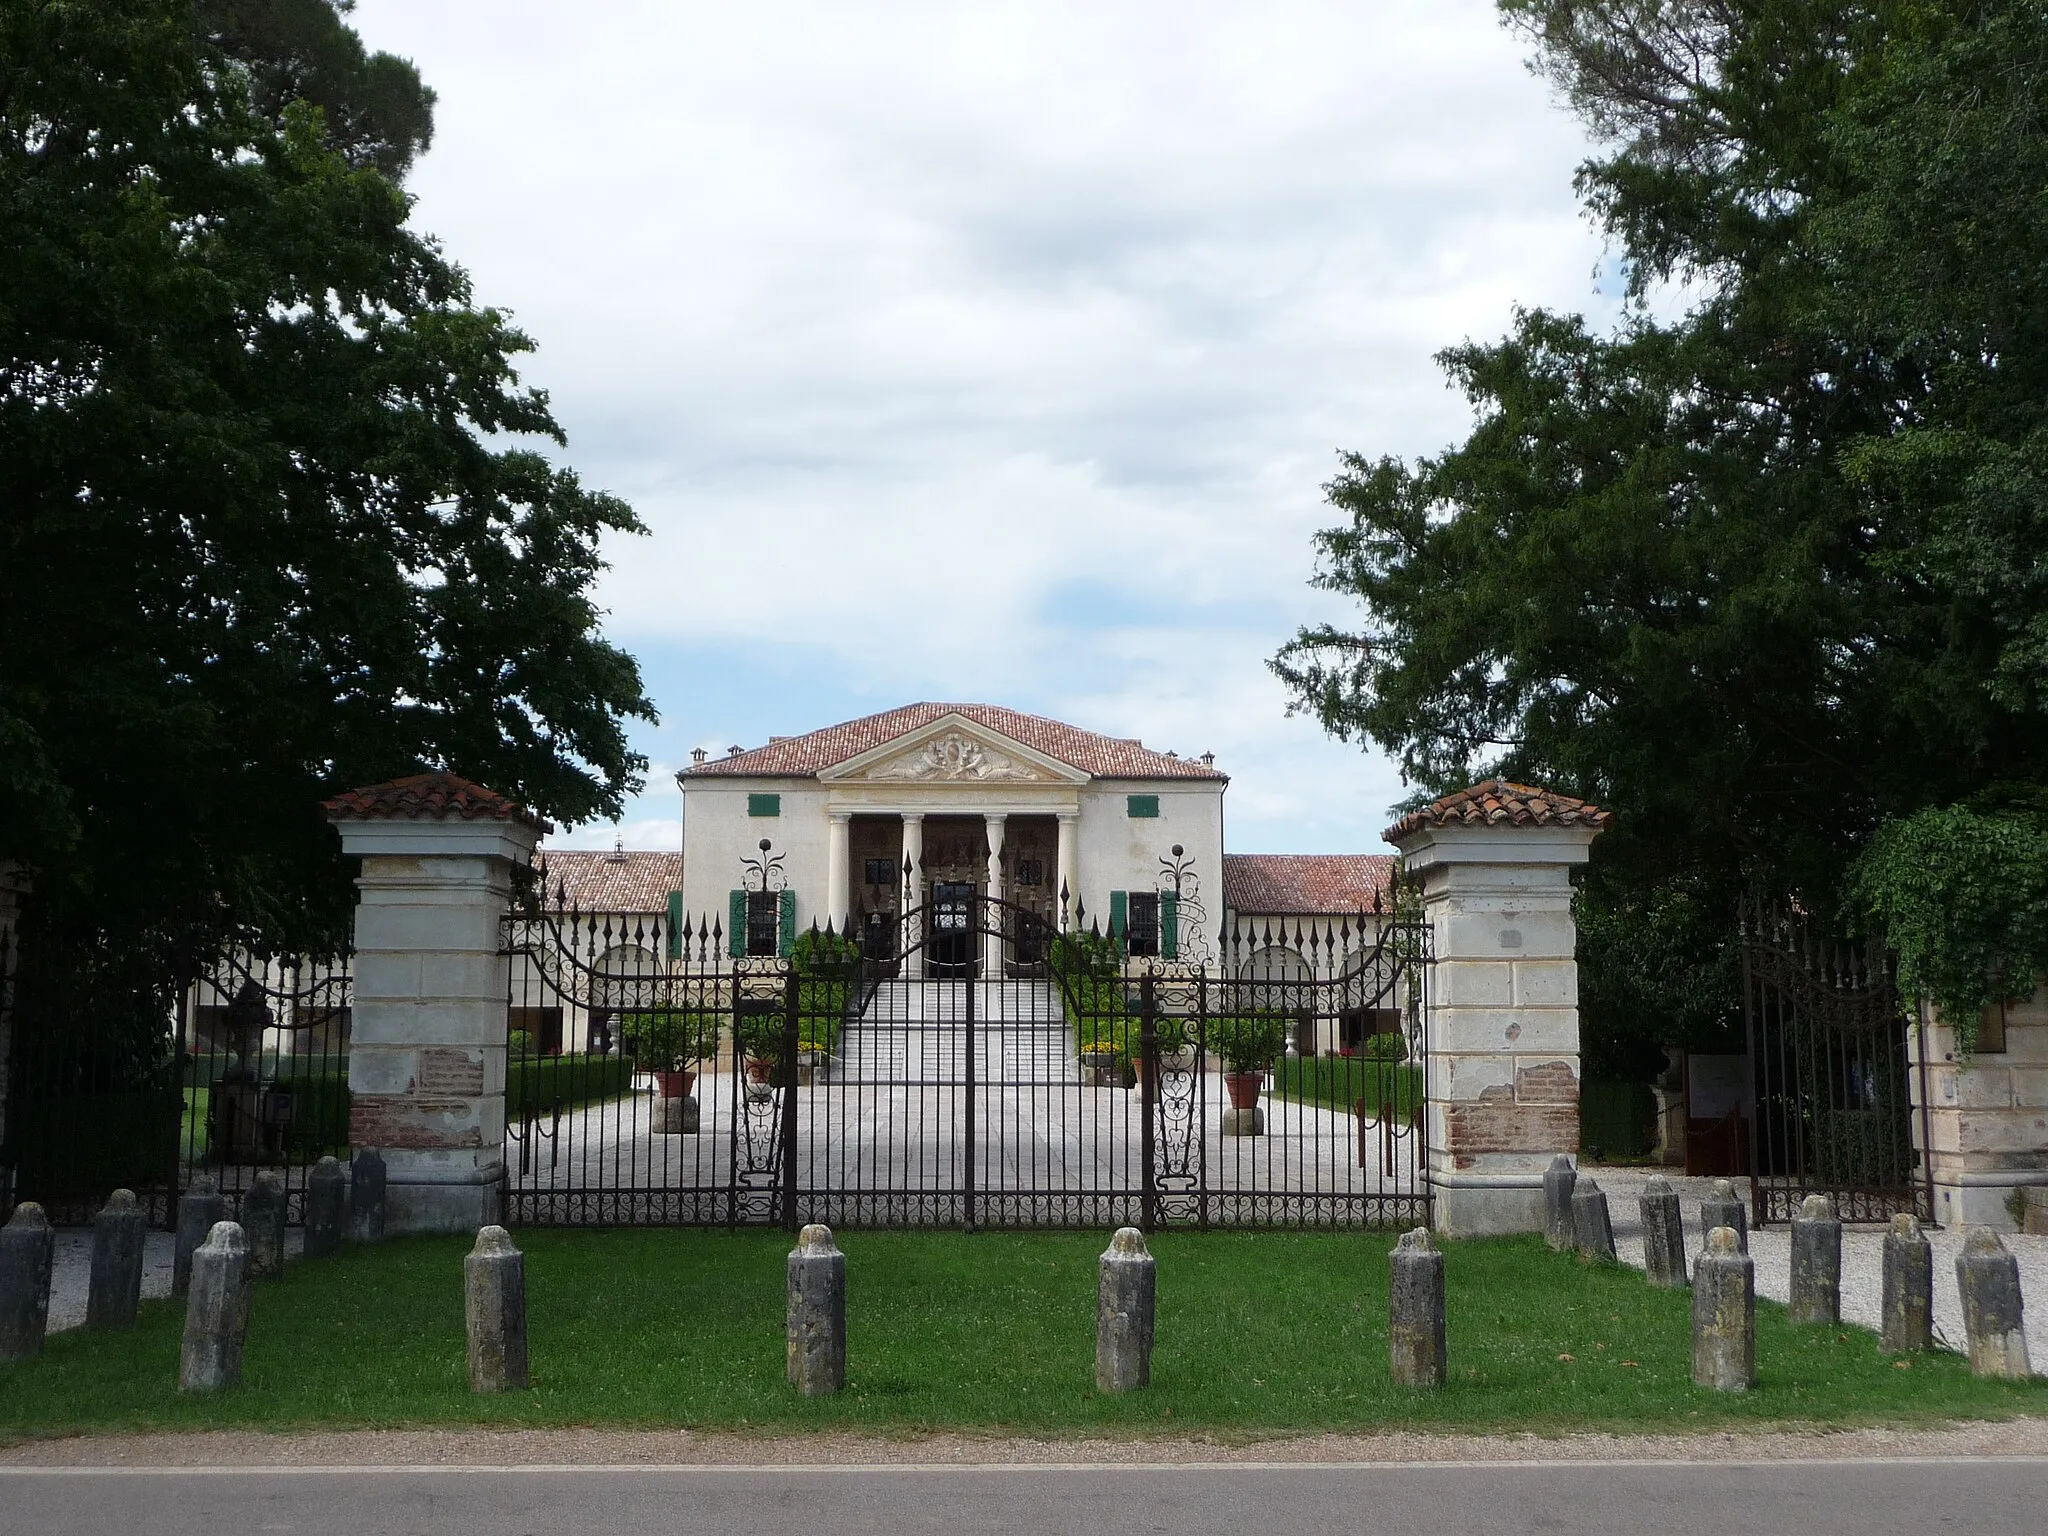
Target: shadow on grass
(1259,1333)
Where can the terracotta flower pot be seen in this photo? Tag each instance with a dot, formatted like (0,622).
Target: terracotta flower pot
(1243,1088)
(758,1068)
(675,1085)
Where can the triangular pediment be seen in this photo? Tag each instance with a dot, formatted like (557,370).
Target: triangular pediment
(953,750)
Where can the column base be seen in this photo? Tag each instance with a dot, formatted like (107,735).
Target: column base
(437,1197)
(1499,1206)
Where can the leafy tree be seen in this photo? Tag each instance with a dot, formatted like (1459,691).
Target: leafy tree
(1763,576)
(374,107)
(271,523)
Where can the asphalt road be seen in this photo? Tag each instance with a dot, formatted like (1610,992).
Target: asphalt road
(1815,1498)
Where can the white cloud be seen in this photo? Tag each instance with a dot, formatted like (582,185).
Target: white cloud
(995,351)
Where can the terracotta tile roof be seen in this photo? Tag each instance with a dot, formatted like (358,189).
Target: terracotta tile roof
(594,880)
(430,797)
(1109,757)
(1498,803)
(1320,883)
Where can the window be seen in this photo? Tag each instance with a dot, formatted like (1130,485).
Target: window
(764,922)
(764,805)
(1031,871)
(1139,806)
(1991,1029)
(1144,919)
(879,872)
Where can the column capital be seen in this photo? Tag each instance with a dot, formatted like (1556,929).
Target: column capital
(840,817)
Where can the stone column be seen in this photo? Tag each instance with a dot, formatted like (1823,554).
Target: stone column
(1068,876)
(1415,1312)
(1126,1312)
(1724,1315)
(199,1208)
(1495,865)
(839,869)
(216,1312)
(815,1333)
(1989,1279)
(992,941)
(114,1289)
(1979,1130)
(427,1060)
(1816,1263)
(913,897)
(494,1309)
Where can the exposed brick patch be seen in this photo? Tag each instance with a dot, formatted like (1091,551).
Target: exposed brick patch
(444,1070)
(1552,1083)
(414,1123)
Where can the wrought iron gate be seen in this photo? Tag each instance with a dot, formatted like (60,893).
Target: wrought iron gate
(1832,1073)
(964,1063)
(119,1075)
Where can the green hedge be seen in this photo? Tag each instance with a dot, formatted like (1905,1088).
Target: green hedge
(1339,1082)
(547,1083)
(1617,1119)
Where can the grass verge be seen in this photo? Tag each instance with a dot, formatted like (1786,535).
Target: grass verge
(1259,1333)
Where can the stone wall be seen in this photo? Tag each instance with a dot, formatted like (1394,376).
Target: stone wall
(1985,1130)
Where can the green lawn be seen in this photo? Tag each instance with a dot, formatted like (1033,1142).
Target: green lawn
(1258,1333)
(1339,1082)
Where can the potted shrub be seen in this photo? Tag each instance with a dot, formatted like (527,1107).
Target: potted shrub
(664,1044)
(760,1040)
(1247,1043)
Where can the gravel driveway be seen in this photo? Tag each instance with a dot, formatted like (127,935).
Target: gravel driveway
(1862,1257)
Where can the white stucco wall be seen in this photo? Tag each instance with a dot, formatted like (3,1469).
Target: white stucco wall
(718,835)
(1117,851)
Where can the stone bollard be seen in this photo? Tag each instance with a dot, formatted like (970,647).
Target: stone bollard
(1724,1208)
(1126,1303)
(326,1208)
(1663,1235)
(263,1211)
(1816,1263)
(1989,1277)
(1724,1315)
(1558,1181)
(366,1197)
(1908,1289)
(28,1249)
(114,1291)
(216,1312)
(817,1313)
(1415,1312)
(1592,1228)
(494,1302)
(199,1208)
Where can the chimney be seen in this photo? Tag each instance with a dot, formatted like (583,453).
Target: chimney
(697,757)
(734,750)
(1208,759)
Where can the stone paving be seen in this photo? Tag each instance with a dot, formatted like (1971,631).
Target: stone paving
(1862,1282)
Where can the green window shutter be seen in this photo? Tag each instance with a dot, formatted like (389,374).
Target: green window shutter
(1169,927)
(675,925)
(764,805)
(1139,806)
(1119,916)
(736,910)
(788,923)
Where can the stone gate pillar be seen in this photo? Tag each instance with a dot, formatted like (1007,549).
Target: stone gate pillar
(1494,862)
(426,1069)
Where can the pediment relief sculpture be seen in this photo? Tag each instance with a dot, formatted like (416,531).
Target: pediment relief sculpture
(954,758)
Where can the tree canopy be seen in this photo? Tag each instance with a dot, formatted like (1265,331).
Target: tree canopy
(274,514)
(1764,575)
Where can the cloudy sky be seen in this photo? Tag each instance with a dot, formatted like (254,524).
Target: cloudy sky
(993,352)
